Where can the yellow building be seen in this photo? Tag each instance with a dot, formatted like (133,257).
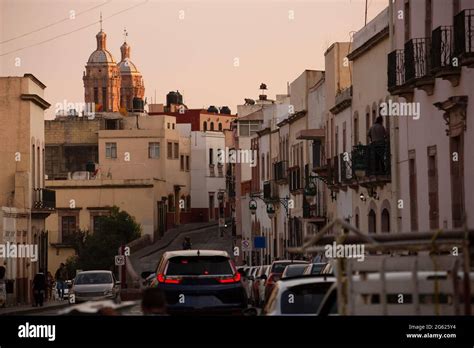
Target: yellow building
(24,203)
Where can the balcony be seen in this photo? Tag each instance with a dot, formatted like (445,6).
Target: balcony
(280,172)
(417,63)
(464,37)
(442,55)
(44,201)
(270,190)
(371,163)
(345,168)
(396,75)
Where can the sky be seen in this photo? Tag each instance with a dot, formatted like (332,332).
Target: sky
(215,52)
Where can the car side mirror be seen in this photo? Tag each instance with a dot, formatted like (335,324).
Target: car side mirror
(146,274)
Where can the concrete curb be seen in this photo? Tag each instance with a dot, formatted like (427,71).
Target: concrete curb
(32,310)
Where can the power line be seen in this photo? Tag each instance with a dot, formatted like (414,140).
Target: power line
(73,31)
(53,24)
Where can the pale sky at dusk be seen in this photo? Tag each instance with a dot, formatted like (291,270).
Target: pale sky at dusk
(194,54)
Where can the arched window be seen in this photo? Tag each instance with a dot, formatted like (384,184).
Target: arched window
(372,222)
(356,128)
(220,126)
(212,126)
(385,220)
(357,221)
(205,126)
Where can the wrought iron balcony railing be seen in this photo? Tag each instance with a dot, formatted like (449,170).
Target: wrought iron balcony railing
(44,199)
(280,170)
(464,33)
(396,69)
(442,48)
(372,159)
(270,190)
(345,167)
(417,58)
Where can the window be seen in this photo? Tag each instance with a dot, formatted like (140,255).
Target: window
(204,126)
(96,96)
(181,162)
(220,126)
(188,203)
(68,228)
(176,150)
(385,220)
(212,126)
(372,221)
(169,149)
(153,150)
(168,125)
(356,129)
(247,128)
(433,199)
(187,163)
(172,125)
(211,156)
(97,223)
(407,20)
(263,167)
(429,17)
(111,150)
(413,190)
(104,99)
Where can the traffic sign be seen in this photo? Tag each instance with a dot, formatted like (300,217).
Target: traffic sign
(246,245)
(119,260)
(259,243)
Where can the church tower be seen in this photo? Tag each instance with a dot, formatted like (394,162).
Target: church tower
(132,85)
(102,77)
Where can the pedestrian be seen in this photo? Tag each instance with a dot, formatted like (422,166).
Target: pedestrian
(154,302)
(39,288)
(187,243)
(377,135)
(61,277)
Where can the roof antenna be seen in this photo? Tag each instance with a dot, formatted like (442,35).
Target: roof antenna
(125,34)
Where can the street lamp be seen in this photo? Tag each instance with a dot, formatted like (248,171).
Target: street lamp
(270,210)
(253,206)
(310,189)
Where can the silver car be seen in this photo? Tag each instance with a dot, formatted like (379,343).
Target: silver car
(94,286)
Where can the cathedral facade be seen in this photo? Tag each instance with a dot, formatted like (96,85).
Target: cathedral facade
(110,86)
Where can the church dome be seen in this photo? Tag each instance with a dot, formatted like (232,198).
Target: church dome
(126,66)
(101,55)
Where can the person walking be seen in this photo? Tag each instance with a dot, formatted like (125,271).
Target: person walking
(61,277)
(39,288)
(187,243)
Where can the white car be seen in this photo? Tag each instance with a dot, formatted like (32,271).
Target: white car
(298,296)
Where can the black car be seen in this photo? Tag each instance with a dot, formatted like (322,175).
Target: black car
(200,282)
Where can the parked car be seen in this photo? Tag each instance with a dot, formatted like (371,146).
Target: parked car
(314,268)
(200,281)
(259,285)
(328,268)
(328,305)
(276,271)
(251,273)
(94,286)
(298,296)
(294,270)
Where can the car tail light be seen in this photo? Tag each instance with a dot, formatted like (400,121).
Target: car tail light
(162,279)
(235,279)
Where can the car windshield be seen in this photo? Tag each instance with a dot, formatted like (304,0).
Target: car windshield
(199,265)
(303,299)
(93,278)
(317,267)
(294,270)
(280,266)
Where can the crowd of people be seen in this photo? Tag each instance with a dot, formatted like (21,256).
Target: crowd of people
(44,285)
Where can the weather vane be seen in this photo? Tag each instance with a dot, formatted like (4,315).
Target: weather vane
(100,20)
(125,34)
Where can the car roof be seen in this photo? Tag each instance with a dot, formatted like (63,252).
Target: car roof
(194,252)
(309,279)
(290,261)
(297,265)
(96,271)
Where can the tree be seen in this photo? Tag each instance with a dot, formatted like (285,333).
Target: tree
(99,249)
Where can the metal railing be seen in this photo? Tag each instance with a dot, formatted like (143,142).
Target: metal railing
(417,58)
(464,32)
(396,68)
(372,159)
(442,47)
